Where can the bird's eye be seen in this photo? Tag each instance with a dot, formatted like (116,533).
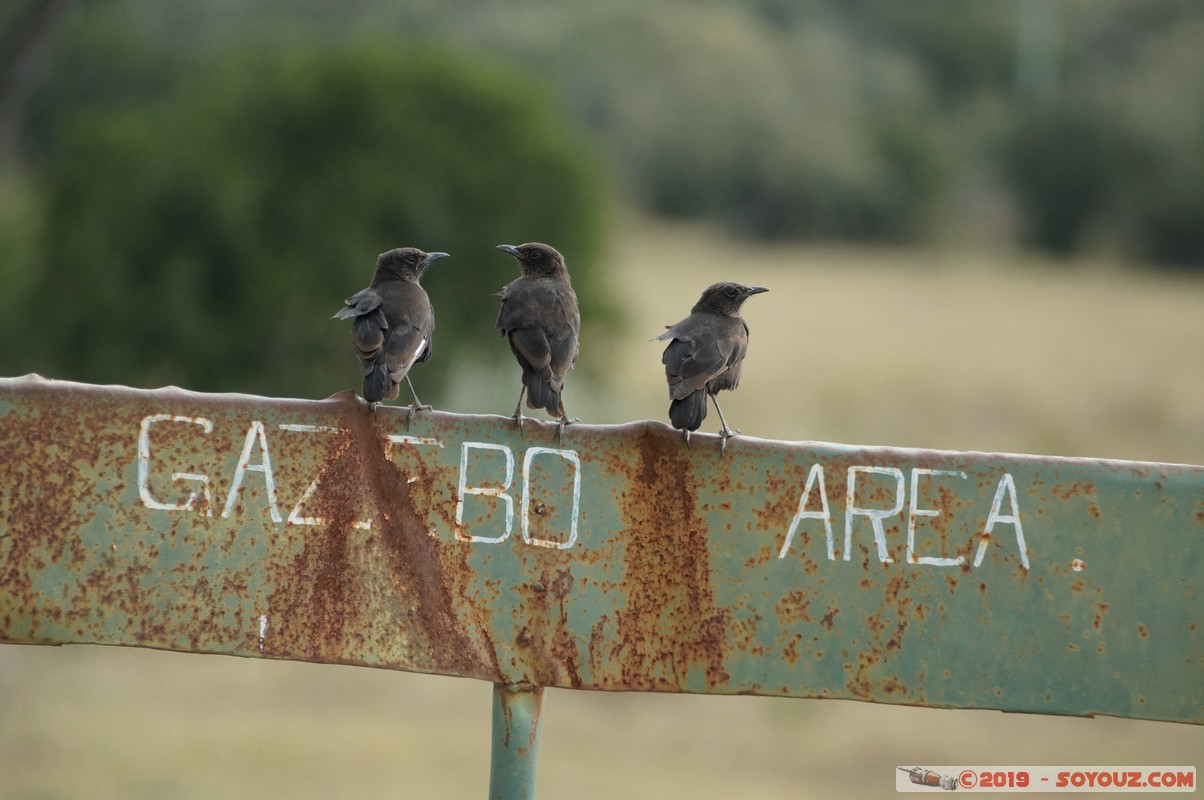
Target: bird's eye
(731,291)
(536,255)
(411,258)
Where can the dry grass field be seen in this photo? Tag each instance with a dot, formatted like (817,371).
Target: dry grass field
(948,350)
(930,349)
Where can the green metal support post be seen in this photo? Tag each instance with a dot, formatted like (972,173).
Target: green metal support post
(515,753)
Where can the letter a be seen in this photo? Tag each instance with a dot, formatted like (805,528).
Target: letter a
(1006,483)
(255,436)
(816,475)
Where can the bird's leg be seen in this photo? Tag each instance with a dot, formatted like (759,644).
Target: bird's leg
(564,422)
(685,433)
(416,405)
(726,432)
(518,410)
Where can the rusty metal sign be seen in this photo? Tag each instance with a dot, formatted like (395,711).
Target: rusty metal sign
(617,559)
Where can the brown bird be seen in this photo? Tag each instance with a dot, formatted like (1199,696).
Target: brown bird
(539,317)
(393,324)
(705,355)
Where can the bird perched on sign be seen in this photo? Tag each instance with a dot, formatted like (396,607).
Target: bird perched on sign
(539,317)
(705,355)
(393,324)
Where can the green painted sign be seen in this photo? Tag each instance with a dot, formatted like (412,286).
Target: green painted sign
(616,559)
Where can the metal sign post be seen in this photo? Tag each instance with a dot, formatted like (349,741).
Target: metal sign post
(618,559)
(515,750)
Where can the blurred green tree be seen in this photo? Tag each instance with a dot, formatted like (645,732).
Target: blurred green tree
(1066,162)
(205,240)
(1080,123)
(1116,161)
(714,111)
(25,29)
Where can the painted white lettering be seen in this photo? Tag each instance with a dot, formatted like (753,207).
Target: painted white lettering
(1007,485)
(144,457)
(405,438)
(916,511)
(255,435)
(485,491)
(875,515)
(814,478)
(295,516)
(571,457)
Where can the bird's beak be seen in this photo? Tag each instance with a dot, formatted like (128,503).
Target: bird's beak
(751,290)
(433,257)
(508,248)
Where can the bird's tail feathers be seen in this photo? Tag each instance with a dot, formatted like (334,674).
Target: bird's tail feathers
(379,385)
(540,394)
(688,413)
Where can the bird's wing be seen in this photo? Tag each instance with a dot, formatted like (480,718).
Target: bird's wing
(368,337)
(677,353)
(532,346)
(412,318)
(542,325)
(564,333)
(368,328)
(405,346)
(510,309)
(359,304)
(521,306)
(707,361)
(732,348)
(695,357)
(688,367)
(564,350)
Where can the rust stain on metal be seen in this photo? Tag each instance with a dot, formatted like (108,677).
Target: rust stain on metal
(313,622)
(564,647)
(670,625)
(794,606)
(359,476)
(41,501)
(887,630)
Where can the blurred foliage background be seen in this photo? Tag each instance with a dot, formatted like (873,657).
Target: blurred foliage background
(189,189)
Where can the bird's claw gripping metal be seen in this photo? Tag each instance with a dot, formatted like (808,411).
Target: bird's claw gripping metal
(413,409)
(725,432)
(417,405)
(563,423)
